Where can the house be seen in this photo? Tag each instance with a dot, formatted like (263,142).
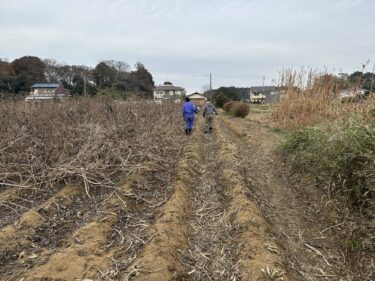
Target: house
(47,91)
(198,99)
(262,94)
(168,92)
(352,94)
(257,98)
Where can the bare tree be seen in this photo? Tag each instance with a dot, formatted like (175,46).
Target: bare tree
(51,70)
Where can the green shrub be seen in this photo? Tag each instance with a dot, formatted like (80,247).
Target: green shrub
(240,109)
(340,155)
(118,93)
(221,100)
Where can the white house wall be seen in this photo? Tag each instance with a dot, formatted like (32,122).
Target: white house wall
(168,94)
(38,91)
(159,94)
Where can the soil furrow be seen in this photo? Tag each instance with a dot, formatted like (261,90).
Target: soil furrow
(14,202)
(211,250)
(16,245)
(101,235)
(51,226)
(259,255)
(86,251)
(158,259)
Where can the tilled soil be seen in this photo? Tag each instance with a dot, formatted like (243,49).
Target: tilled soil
(228,210)
(211,251)
(209,229)
(16,201)
(70,236)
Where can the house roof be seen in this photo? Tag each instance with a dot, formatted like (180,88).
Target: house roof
(197,96)
(45,85)
(168,88)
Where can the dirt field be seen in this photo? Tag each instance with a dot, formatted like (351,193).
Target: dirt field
(227,211)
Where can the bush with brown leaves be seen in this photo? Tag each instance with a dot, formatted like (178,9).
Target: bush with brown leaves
(228,106)
(240,109)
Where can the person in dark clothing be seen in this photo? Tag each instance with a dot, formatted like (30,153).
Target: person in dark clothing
(188,113)
(208,112)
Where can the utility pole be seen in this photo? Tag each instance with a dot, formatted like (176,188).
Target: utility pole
(210,86)
(84,85)
(372,78)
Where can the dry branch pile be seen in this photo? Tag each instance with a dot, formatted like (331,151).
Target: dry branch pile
(84,140)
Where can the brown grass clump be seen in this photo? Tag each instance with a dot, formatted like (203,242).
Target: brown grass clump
(84,141)
(310,96)
(240,109)
(228,106)
(236,108)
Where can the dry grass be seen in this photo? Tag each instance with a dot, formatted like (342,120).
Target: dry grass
(342,135)
(310,96)
(83,140)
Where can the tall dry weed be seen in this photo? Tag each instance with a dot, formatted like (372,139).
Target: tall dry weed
(312,96)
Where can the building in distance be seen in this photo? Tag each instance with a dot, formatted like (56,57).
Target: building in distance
(168,91)
(198,99)
(264,94)
(47,91)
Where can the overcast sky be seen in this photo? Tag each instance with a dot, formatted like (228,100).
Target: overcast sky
(238,41)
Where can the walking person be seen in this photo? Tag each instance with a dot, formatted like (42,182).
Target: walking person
(208,112)
(188,113)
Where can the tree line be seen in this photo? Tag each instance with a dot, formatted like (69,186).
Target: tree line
(107,77)
(364,80)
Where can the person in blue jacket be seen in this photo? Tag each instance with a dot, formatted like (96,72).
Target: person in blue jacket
(188,113)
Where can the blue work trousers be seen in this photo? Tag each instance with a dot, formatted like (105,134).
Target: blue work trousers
(189,121)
